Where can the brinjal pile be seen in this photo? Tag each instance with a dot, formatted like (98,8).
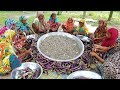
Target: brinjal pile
(60,67)
(72,66)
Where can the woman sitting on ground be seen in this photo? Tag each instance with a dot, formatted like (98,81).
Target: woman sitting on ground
(53,23)
(69,26)
(100,32)
(22,25)
(82,29)
(8,57)
(109,42)
(39,25)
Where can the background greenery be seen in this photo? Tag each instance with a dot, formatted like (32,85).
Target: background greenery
(95,15)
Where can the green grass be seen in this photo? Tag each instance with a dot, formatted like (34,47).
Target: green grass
(96,15)
(10,14)
(7,14)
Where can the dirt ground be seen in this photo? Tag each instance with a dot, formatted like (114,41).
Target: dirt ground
(5,77)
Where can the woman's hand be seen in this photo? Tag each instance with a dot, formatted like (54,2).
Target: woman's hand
(27,52)
(93,49)
(97,46)
(38,28)
(81,33)
(23,38)
(97,38)
(75,33)
(93,53)
(26,32)
(97,56)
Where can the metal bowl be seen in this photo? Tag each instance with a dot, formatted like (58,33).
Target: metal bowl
(83,38)
(78,41)
(86,74)
(32,36)
(31,65)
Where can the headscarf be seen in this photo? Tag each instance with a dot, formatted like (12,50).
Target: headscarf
(104,23)
(69,26)
(113,39)
(39,13)
(56,19)
(101,30)
(67,23)
(22,18)
(83,21)
(9,23)
(84,26)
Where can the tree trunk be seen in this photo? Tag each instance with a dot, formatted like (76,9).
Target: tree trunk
(110,15)
(59,12)
(36,14)
(84,14)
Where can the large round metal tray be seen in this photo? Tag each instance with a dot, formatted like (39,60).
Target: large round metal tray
(78,41)
(87,74)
